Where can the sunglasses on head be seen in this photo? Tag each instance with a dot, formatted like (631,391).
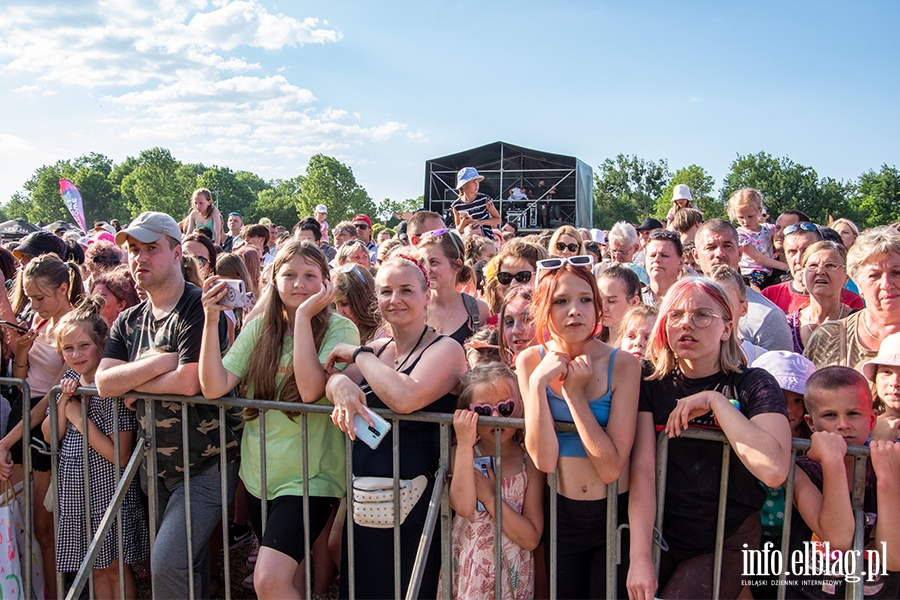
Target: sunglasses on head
(505,408)
(560,246)
(506,278)
(440,233)
(351,268)
(551,264)
(666,235)
(803,226)
(203,261)
(234,214)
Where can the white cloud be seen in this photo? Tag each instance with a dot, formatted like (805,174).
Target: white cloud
(417,136)
(11,145)
(693,99)
(185,73)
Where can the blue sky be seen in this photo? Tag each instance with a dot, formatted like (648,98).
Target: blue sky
(384,86)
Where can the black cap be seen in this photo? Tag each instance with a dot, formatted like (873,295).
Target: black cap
(41,242)
(649,225)
(401,232)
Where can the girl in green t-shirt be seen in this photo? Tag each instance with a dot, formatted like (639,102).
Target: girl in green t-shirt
(294,335)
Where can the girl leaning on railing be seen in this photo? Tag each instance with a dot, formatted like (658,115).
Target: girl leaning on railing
(279,356)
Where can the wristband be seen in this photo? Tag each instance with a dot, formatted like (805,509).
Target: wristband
(358,350)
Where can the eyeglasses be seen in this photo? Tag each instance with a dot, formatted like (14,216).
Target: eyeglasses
(551,264)
(505,278)
(505,409)
(829,266)
(620,252)
(362,226)
(560,246)
(803,226)
(701,319)
(351,268)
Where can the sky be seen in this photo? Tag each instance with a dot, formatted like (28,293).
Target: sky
(384,86)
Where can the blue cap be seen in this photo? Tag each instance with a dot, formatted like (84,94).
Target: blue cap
(465,175)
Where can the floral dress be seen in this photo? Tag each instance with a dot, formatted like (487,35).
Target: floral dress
(473,550)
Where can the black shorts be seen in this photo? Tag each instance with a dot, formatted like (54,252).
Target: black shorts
(39,461)
(284,521)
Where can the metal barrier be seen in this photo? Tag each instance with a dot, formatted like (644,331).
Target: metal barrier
(438,507)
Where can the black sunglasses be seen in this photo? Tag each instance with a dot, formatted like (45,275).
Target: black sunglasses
(361,225)
(506,278)
(562,246)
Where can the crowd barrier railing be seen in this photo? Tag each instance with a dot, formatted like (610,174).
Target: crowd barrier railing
(439,512)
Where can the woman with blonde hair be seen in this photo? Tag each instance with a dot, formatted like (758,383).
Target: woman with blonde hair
(698,378)
(566,242)
(848,231)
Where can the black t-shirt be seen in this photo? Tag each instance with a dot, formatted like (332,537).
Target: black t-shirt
(136,332)
(822,586)
(694,466)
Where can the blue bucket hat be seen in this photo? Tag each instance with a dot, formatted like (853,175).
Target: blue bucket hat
(465,175)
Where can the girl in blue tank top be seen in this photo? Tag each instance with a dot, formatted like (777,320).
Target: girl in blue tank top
(574,377)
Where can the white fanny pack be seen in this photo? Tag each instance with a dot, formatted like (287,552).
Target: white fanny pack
(373,499)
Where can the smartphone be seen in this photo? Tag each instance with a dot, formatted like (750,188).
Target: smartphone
(369,435)
(482,463)
(14,326)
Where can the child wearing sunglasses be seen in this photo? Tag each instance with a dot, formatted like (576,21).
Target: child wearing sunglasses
(491,390)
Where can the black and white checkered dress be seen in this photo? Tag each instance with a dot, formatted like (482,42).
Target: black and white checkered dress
(73,542)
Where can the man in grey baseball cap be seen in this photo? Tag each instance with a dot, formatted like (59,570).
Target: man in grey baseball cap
(154,348)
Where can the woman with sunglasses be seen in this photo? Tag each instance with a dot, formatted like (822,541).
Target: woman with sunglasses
(416,370)
(203,250)
(664,261)
(514,266)
(824,266)
(455,314)
(574,377)
(566,242)
(696,376)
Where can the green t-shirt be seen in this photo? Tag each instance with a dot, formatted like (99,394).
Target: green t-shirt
(284,442)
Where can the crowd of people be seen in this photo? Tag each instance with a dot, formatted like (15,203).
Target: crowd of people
(763,331)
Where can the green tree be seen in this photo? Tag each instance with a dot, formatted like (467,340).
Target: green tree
(158,182)
(626,189)
(234,193)
(392,211)
(701,184)
(787,185)
(330,182)
(878,197)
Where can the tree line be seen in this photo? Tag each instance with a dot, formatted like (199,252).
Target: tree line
(626,188)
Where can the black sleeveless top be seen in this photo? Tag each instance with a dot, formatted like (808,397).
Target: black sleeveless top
(420,443)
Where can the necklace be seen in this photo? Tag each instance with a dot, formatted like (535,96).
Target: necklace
(812,326)
(866,325)
(440,329)
(411,352)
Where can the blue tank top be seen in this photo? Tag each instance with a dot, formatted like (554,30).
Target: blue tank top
(569,441)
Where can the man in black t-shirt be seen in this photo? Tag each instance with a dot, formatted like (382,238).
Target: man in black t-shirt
(154,347)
